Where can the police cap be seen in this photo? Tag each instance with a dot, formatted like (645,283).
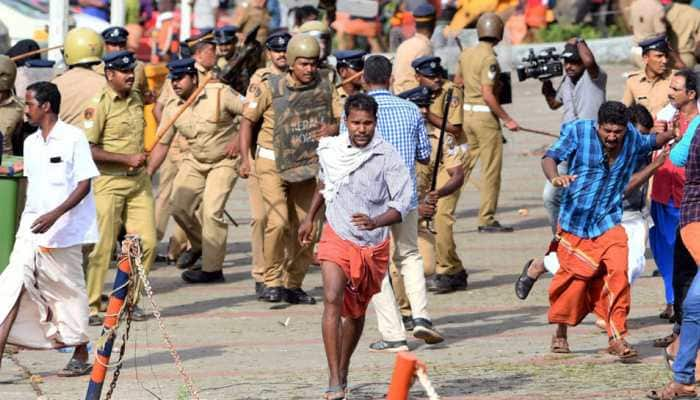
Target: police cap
(115,35)
(120,60)
(40,63)
(353,59)
(180,67)
(225,34)
(658,43)
(424,13)
(204,36)
(278,41)
(420,96)
(428,66)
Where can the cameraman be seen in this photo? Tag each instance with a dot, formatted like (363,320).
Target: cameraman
(582,90)
(581,93)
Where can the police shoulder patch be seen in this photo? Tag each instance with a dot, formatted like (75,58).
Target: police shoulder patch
(493,70)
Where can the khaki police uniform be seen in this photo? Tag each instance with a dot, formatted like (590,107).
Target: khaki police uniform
(478,66)
(684,23)
(122,195)
(11,118)
(252,16)
(647,20)
(439,252)
(652,94)
(404,75)
(258,210)
(140,82)
(206,175)
(78,101)
(177,243)
(287,202)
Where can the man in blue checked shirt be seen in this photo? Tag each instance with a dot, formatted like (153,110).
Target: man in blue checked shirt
(592,248)
(400,123)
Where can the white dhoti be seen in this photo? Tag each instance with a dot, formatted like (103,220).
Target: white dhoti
(53,310)
(637,230)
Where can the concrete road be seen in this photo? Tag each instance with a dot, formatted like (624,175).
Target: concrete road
(234,347)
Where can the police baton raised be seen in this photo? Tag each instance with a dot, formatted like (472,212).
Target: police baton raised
(34,52)
(349,79)
(438,154)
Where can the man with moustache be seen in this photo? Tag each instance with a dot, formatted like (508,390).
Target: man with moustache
(649,87)
(349,63)
(123,193)
(592,247)
(207,174)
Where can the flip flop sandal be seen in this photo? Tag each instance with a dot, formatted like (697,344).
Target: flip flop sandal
(665,341)
(524,283)
(334,393)
(669,392)
(559,345)
(75,368)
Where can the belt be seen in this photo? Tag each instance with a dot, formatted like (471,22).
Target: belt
(129,172)
(266,153)
(476,107)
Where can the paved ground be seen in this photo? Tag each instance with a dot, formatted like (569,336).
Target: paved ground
(497,346)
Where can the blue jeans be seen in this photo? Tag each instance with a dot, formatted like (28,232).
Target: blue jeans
(684,365)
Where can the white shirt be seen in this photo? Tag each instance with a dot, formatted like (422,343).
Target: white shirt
(53,168)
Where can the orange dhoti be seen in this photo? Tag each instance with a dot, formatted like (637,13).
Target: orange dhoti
(592,278)
(364,268)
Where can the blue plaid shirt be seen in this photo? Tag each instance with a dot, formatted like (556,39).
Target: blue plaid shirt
(592,204)
(400,123)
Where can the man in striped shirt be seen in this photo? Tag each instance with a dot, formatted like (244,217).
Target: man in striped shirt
(400,123)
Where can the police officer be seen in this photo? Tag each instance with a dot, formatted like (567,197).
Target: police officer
(225,39)
(647,20)
(206,175)
(684,31)
(319,30)
(296,109)
(650,86)
(115,39)
(11,108)
(123,193)
(82,50)
(478,69)
(417,46)
(276,51)
(247,17)
(349,63)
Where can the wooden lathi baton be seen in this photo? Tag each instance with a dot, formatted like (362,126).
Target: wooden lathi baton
(535,131)
(34,52)
(349,79)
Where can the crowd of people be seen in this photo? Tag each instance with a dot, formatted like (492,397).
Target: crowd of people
(356,166)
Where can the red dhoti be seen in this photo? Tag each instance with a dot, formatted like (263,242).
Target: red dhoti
(592,278)
(364,268)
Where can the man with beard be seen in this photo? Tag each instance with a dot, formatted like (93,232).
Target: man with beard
(592,247)
(123,193)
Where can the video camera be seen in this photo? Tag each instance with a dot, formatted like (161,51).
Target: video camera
(545,65)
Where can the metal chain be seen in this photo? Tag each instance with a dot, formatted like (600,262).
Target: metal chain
(125,337)
(135,255)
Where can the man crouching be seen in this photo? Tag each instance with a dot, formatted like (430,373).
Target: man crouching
(366,188)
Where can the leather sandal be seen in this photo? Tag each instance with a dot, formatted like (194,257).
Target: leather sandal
(673,391)
(665,341)
(623,350)
(559,345)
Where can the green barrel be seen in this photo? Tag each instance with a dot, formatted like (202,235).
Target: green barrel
(9,195)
